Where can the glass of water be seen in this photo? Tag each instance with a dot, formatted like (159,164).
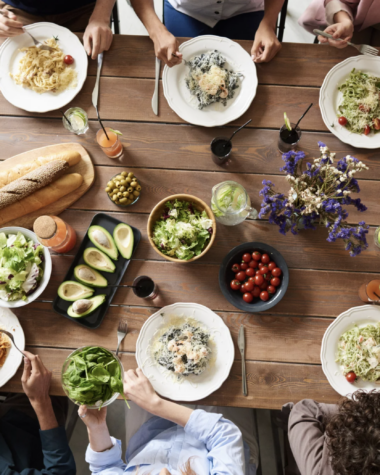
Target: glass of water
(231,204)
(75,120)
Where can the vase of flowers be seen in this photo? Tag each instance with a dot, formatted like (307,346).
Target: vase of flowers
(318,195)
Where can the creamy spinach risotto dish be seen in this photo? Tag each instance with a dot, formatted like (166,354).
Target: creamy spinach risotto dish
(209,81)
(183,349)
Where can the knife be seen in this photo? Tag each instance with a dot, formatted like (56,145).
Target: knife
(95,92)
(241,344)
(155,95)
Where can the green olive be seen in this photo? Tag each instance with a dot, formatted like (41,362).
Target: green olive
(130,190)
(117,183)
(124,173)
(128,180)
(115,190)
(119,177)
(138,188)
(107,189)
(120,195)
(114,197)
(126,194)
(123,200)
(136,193)
(134,184)
(131,175)
(122,188)
(110,184)
(129,202)
(123,182)
(117,202)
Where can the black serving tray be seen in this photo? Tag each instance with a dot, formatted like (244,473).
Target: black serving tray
(93,320)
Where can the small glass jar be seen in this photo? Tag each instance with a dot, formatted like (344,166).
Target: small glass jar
(124,205)
(54,233)
(377,238)
(288,139)
(75,120)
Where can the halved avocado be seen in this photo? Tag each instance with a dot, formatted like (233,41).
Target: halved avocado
(89,276)
(102,239)
(124,239)
(98,260)
(71,291)
(88,306)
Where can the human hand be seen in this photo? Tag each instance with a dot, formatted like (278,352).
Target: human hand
(165,44)
(97,37)
(138,389)
(9,26)
(93,418)
(35,379)
(343,30)
(266,45)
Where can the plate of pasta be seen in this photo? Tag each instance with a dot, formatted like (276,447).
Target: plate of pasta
(186,351)
(39,80)
(10,358)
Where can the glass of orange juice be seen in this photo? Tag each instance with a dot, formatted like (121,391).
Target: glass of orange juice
(370,292)
(112,146)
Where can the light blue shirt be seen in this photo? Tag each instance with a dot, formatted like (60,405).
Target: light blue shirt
(214,444)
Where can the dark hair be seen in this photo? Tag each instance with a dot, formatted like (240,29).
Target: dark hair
(353,435)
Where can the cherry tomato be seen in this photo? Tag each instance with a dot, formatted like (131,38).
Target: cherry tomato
(259,279)
(248,297)
(272,265)
(242,289)
(351,377)
(235,284)
(264,270)
(247,257)
(256,256)
(257,272)
(251,279)
(265,259)
(264,295)
(240,276)
(275,281)
(271,289)
(253,264)
(367,130)
(276,272)
(249,286)
(264,285)
(260,265)
(342,121)
(235,268)
(256,292)
(243,266)
(376,123)
(68,59)
(250,272)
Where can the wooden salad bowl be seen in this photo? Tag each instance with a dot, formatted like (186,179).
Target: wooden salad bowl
(156,214)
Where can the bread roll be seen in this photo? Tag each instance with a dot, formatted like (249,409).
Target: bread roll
(72,157)
(51,193)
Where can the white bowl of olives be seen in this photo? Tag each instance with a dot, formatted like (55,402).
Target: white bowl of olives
(123,189)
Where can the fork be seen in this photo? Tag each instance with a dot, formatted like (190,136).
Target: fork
(10,336)
(121,333)
(363,49)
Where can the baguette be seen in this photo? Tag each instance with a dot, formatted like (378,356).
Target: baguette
(41,198)
(33,181)
(72,157)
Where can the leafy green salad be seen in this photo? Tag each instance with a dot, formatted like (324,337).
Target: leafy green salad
(359,110)
(183,231)
(21,266)
(92,377)
(359,351)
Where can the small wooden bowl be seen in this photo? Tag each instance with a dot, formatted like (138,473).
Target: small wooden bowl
(156,214)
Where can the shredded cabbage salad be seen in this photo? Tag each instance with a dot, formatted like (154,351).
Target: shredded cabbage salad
(359,351)
(20,266)
(183,231)
(361,102)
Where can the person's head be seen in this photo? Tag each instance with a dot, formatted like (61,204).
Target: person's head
(354,435)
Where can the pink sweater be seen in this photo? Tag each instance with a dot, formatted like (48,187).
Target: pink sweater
(320,13)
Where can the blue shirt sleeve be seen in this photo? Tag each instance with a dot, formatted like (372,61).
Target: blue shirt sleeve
(223,440)
(109,461)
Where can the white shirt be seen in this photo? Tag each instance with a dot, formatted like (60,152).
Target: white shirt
(211,11)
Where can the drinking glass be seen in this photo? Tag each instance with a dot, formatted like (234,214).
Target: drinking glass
(377,237)
(231,204)
(285,145)
(78,120)
(112,146)
(145,288)
(370,292)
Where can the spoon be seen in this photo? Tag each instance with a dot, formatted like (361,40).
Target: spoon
(10,336)
(236,131)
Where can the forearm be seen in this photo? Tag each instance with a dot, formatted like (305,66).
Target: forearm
(271,11)
(170,411)
(45,414)
(144,9)
(100,439)
(341,17)
(103,10)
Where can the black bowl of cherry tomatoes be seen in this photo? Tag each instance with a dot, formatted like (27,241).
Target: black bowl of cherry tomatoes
(254,277)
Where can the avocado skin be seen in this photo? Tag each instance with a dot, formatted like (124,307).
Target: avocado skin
(113,252)
(85,296)
(88,250)
(98,301)
(101,281)
(126,252)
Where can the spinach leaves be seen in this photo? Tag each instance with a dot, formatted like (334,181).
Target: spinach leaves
(93,376)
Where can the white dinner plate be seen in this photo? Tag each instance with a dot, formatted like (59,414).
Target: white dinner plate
(360,316)
(186,106)
(190,388)
(10,56)
(9,322)
(330,98)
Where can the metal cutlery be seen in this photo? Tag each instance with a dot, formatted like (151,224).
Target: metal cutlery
(10,336)
(121,333)
(155,94)
(241,344)
(363,49)
(95,92)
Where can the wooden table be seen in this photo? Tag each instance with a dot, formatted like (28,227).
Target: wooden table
(169,156)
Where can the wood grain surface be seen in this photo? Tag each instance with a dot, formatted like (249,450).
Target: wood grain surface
(169,156)
(84,168)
